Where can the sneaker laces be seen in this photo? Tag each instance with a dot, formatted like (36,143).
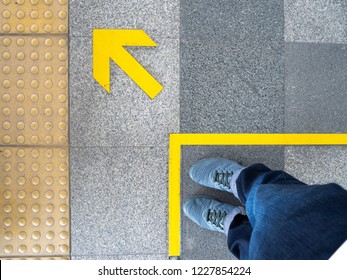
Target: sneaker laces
(222,178)
(216,218)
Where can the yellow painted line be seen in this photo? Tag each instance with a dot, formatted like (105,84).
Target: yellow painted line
(179,140)
(34,117)
(110,43)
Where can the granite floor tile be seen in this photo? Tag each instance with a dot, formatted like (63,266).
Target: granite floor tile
(320,21)
(122,257)
(317,164)
(127,116)
(156,17)
(198,243)
(119,201)
(232,87)
(316,88)
(235,20)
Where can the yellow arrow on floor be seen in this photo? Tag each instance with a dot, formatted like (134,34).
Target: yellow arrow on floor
(109,44)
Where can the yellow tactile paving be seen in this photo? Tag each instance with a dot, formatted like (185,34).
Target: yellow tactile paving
(34,202)
(34,164)
(34,101)
(33,16)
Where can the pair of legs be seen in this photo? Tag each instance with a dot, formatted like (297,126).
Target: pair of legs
(283,217)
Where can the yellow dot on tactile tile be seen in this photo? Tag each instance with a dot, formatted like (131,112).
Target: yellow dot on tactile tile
(7,195)
(34,139)
(6,125)
(6,139)
(21,153)
(34,56)
(6,69)
(21,181)
(62,84)
(63,153)
(35,167)
(48,125)
(48,84)
(62,28)
(63,235)
(48,56)
(63,222)
(36,222)
(62,57)
(35,153)
(34,28)
(50,235)
(20,28)
(21,208)
(6,41)
(22,249)
(7,180)
(20,69)
(7,153)
(20,14)
(62,139)
(8,235)
(6,83)
(49,181)
(20,56)
(48,139)
(6,14)
(34,98)
(34,70)
(62,98)
(49,167)
(34,83)
(49,222)
(34,112)
(48,70)
(8,249)
(20,111)
(20,2)
(48,28)
(36,208)
(49,194)
(20,139)
(6,28)
(35,181)
(48,14)
(48,112)
(22,222)
(63,208)
(62,181)
(50,248)
(34,14)
(49,153)
(62,167)
(8,208)
(64,248)
(21,166)
(6,55)
(62,112)
(20,97)
(34,42)
(36,249)
(49,208)
(21,195)
(20,84)
(20,125)
(36,235)
(7,167)
(62,70)
(8,222)
(6,97)
(34,125)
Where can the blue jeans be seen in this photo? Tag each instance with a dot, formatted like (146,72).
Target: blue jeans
(287,219)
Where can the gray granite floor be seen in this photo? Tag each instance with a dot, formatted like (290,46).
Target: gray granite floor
(263,66)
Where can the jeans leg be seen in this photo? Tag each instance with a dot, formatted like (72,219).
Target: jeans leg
(288,219)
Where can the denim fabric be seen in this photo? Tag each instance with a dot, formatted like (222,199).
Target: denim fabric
(287,218)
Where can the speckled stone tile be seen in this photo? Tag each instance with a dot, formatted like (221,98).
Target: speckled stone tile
(119,201)
(317,164)
(232,87)
(122,257)
(198,243)
(127,116)
(235,20)
(316,88)
(159,18)
(320,21)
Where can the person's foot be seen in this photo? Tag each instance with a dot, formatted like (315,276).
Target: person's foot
(210,213)
(218,173)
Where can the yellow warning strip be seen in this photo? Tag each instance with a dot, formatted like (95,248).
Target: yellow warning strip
(34,149)
(178,140)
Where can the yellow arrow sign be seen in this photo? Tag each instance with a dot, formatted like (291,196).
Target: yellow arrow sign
(109,44)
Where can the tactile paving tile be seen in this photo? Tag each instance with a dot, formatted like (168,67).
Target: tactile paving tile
(34,101)
(34,202)
(33,16)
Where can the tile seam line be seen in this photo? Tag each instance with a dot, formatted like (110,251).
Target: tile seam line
(34,34)
(314,43)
